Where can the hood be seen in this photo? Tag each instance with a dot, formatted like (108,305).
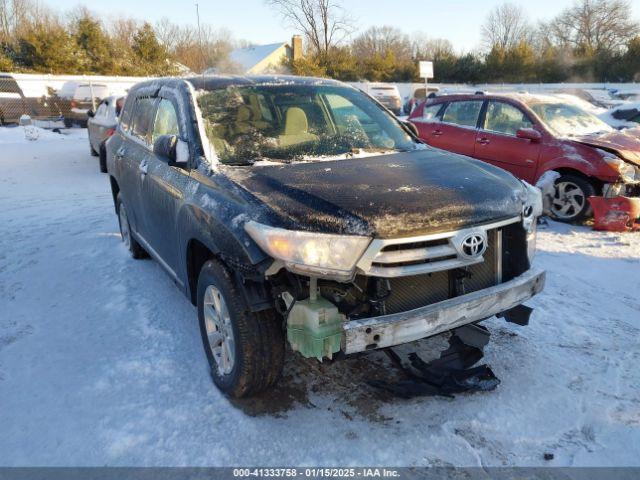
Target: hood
(404,194)
(625,144)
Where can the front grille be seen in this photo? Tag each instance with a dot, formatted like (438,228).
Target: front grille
(427,254)
(489,272)
(408,293)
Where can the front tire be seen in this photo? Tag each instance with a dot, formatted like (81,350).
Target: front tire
(569,203)
(135,249)
(245,349)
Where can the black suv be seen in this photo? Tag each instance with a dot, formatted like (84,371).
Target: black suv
(300,209)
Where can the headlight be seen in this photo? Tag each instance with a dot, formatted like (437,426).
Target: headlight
(532,208)
(308,253)
(626,170)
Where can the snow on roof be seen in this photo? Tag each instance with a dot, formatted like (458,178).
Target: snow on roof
(250,56)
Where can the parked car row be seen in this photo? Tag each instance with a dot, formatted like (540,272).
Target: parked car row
(387,94)
(300,210)
(83,98)
(101,124)
(66,100)
(529,135)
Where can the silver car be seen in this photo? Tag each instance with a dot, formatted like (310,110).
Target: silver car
(101,125)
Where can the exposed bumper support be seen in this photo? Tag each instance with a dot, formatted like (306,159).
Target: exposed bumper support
(390,330)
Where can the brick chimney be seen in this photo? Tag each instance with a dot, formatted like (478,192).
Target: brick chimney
(296,47)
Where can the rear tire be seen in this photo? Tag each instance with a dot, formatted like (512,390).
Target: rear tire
(103,159)
(68,123)
(92,151)
(135,249)
(569,203)
(245,349)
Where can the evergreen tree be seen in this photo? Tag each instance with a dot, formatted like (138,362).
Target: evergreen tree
(630,62)
(6,62)
(151,55)
(95,46)
(49,49)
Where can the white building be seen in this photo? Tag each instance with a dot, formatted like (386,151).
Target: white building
(263,59)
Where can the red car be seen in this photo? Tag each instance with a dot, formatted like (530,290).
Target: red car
(529,135)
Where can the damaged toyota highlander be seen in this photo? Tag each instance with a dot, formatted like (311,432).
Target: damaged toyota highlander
(299,210)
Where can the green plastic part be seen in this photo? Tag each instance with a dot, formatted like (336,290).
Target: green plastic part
(314,328)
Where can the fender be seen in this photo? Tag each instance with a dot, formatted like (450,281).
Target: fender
(574,156)
(218,235)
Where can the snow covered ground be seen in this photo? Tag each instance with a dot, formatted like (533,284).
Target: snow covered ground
(101,361)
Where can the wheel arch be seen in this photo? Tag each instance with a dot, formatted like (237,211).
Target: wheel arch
(115,190)
(569,170)
(202,237)
(196,255)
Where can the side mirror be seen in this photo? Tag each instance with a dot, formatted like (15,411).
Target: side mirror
(172,150)
(412,128)
(91,113)
(529,134)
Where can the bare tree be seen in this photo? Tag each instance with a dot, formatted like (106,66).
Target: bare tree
(18,16)
(505,27)
(380,41)
(595,25)
(198,50)
(426,48)
(323,22)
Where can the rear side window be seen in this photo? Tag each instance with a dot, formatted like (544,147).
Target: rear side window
(430,112)
(142,117)
(166,120)
(463,113)
(127,110)
(504,118)
(102,110)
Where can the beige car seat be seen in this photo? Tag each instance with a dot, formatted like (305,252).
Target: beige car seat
(257,120)
(243,120)
(296,128)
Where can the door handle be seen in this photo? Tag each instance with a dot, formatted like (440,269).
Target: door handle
(436,133)
(119,153)
(483,141)
(143,167)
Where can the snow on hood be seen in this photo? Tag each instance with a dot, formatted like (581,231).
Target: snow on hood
(434,191)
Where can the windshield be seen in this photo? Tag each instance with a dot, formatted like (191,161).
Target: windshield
(297,122)
(568,120)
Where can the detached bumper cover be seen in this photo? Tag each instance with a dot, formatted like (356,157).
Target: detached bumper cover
(390,330)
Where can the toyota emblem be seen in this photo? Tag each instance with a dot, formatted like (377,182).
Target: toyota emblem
(474,245)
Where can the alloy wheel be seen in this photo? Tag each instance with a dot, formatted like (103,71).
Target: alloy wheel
(568,201)
(219,330)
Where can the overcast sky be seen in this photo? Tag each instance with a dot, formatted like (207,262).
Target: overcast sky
(457,20)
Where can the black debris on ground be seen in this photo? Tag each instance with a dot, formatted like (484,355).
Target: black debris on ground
(450,374)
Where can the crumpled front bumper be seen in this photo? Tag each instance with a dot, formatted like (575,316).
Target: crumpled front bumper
(390,330)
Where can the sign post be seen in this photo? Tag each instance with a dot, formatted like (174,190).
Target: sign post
(426,72)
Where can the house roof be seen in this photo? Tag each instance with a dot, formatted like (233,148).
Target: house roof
(249,57)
